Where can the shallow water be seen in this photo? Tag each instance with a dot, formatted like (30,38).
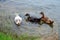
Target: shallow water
(51,8)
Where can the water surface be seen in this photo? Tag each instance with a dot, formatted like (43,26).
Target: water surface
(51,8)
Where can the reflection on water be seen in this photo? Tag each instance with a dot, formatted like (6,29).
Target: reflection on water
(34,7)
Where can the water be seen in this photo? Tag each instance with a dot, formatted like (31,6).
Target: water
(51,8)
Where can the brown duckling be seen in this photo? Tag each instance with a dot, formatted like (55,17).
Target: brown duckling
(32,19)
(46,19)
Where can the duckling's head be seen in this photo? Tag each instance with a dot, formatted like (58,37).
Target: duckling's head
(27,14)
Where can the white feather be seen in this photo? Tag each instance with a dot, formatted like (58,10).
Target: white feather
(18,19)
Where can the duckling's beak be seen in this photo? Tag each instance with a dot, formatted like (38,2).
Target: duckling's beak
(18,24)
(27,14)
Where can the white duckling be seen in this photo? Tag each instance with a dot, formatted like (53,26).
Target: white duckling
(17,20)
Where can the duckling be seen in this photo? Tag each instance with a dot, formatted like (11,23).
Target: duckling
(17,20)
(32,19)
(46,19)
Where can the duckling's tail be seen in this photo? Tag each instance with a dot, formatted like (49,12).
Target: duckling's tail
(52,22)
